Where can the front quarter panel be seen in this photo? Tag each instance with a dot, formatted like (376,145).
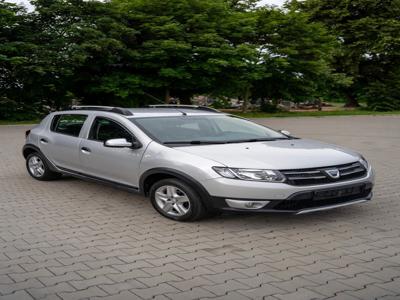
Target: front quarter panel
(159,156)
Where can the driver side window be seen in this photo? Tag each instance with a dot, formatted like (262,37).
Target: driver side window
(104,129)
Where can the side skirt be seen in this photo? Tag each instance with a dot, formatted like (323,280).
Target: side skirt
(98,180)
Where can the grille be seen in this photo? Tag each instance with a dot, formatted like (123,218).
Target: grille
(320,175)
(309,200)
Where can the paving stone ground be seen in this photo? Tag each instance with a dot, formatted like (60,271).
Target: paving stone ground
(70,239)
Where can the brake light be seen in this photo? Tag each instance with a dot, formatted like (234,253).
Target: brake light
(27,133)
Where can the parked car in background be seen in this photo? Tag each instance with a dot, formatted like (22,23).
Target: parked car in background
(192,161)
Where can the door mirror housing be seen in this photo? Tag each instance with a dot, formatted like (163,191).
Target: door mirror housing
(118,143)
(136,145)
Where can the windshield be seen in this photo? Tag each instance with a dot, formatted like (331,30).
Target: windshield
(205,129)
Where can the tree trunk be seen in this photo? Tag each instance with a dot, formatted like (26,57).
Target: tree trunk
(185,99)
(246,97)
(351,101)
(167,95)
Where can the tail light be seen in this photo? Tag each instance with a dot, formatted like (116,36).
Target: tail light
(27,133)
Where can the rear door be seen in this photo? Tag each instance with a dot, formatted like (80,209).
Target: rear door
(60,144)
(114,164)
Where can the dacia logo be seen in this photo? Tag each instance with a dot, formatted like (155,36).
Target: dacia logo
(333,173)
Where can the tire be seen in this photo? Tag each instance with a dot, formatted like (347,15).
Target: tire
(38,168)
(176,200)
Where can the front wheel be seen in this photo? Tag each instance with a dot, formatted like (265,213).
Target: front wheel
(37,167)
(176,200)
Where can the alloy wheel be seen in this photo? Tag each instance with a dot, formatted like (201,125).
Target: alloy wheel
(36,166)
(172,200)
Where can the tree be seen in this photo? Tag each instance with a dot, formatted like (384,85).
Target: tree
(14,59)
(89,45)
(295,56)
(368,32)
(185,47)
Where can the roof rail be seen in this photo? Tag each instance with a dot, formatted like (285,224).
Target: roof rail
(117,110)
(199,107)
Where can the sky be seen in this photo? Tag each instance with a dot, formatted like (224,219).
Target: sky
(274,2)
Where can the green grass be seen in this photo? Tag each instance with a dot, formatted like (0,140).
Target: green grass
(314,113)
(6,122)
(268,115)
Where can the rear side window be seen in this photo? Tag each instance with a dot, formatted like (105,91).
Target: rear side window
(68,124)
(104,129)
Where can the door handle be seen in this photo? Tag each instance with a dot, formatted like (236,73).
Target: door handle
(44,141)
(85,150)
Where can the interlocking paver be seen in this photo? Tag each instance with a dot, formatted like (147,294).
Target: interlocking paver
(370,292)
(121,277)
(390,297)
(331,288)
(360,280)
(161,289)
(392,285)
(69,276)
(83,294)
(262,291)
(10,288)
(300,294)
(70,239)
(195,293)
(231,296)
(20,295)
(223,288)
(294,284)
(84,284)
(98,272)
(4,279)
(115,288)
(18,277)
(39,293)
(70,268)
(344,296)
(156,280)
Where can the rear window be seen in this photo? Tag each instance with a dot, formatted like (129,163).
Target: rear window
(68,124)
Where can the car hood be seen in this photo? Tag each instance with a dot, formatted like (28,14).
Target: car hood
(279,154)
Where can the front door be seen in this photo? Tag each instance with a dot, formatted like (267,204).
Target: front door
(115,164)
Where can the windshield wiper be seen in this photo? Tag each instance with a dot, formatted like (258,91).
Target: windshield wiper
(194,142)
(198,142)
(256,140)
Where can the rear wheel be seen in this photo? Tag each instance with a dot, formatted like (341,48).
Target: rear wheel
(38,168)
(176,200)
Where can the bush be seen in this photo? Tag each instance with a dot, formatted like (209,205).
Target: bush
(221,103)
(382,96)
(268,107)
(13,111)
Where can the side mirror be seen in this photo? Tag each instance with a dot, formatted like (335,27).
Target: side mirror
(285,132)
(118,143)
(136,145)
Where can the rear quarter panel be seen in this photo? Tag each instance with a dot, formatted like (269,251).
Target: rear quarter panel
(37,131)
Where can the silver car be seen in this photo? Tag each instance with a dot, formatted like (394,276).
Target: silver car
(193,161)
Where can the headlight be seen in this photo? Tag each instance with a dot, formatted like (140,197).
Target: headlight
(364,162)
(250,174)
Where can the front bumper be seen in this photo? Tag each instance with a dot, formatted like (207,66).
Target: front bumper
(277,197)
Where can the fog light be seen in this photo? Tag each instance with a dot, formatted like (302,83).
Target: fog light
(246,204)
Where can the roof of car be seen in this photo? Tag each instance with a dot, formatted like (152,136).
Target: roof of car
(154,111)
(157,112)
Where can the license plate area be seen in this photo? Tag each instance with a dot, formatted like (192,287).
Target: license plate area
(338,193)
